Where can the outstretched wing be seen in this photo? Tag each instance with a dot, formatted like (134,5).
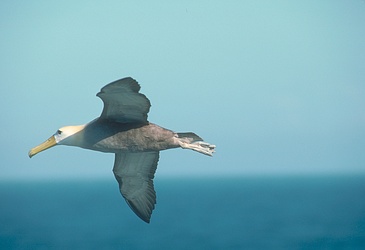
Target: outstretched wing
(134,173)
(123,103)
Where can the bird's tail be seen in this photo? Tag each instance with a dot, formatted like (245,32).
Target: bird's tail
(194,142)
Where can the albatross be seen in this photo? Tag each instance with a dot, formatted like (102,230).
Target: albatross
(123,129)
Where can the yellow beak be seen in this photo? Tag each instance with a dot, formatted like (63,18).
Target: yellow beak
(45,145)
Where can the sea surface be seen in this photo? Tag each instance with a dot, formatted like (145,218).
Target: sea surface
(212,213)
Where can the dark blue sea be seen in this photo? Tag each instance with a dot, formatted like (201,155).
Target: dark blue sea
(212,213)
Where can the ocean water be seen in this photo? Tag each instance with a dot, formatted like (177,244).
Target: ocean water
(228,213)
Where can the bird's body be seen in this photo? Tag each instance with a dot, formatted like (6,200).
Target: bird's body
(123,129)
(114,137)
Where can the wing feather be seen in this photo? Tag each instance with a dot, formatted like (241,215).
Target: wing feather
(134,173)
(123,103)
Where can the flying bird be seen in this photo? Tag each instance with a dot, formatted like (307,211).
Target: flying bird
(123,129)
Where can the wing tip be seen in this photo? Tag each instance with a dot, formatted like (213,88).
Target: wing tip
(127,81)
(146,217)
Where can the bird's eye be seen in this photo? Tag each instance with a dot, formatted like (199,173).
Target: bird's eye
(59,132)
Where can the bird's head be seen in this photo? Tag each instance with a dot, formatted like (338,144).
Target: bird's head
(69,135)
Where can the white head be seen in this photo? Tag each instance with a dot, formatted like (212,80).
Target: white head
(69,135)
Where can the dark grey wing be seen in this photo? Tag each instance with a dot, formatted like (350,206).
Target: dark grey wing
(123,102)
(134,173)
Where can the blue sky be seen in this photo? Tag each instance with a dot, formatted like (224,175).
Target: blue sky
(278,86)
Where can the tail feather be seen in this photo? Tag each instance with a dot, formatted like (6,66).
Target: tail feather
(190,135)
(192,141)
